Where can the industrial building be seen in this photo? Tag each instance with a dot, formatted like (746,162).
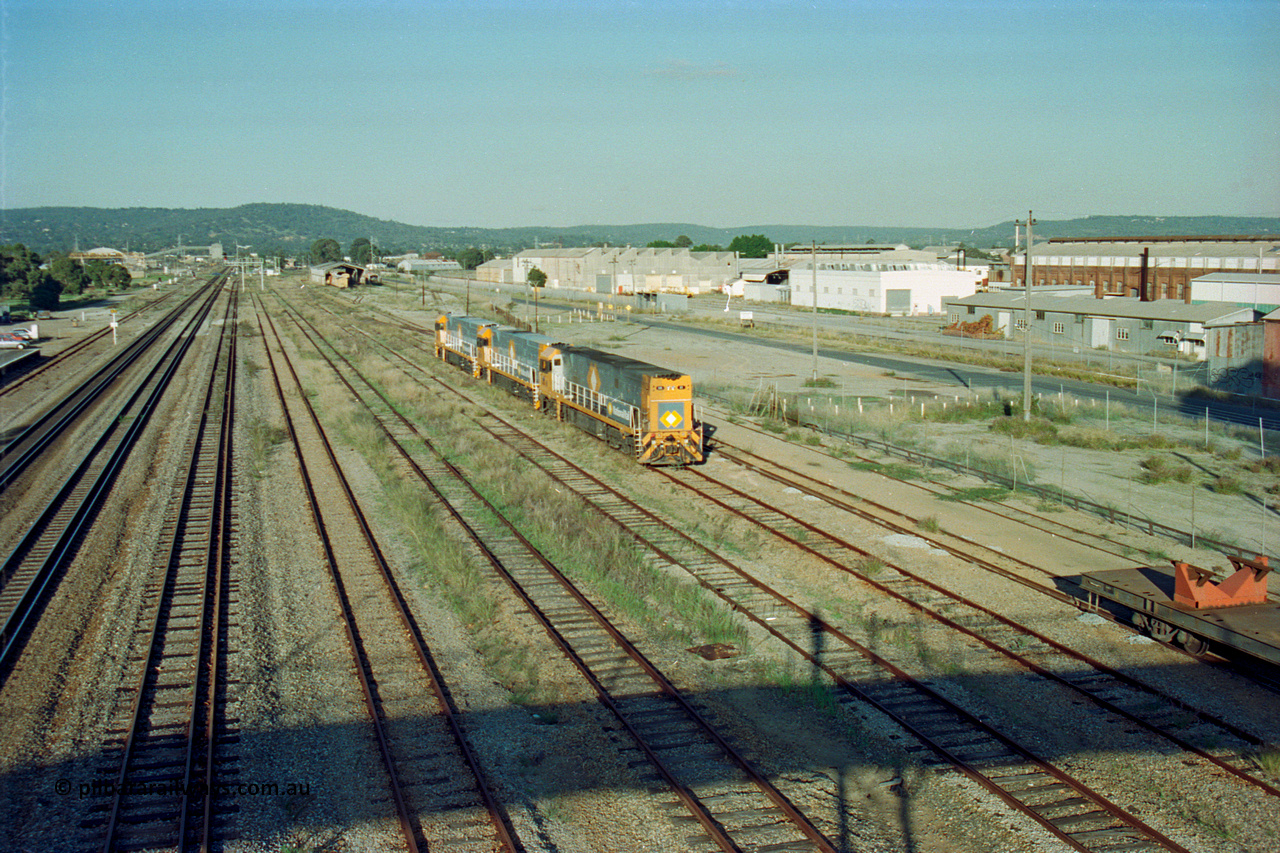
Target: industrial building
(1147,268)
(898,282)
(426,265)
(618,270)
(1120,324)
(1261,292)
(337,274)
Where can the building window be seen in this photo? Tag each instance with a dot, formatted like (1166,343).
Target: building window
(1039,315)
(955,318)
(1122,334)
(1020,324)
(1059,328)
(1148,324)
(971,310)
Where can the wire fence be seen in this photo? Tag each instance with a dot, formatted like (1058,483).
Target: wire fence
(827,414)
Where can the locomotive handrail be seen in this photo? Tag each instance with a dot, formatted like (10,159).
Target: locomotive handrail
(581,395)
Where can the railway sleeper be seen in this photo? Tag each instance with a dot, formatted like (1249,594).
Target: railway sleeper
(1055,805)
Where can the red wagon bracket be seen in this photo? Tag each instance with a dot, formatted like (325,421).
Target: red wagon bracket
(1194,587)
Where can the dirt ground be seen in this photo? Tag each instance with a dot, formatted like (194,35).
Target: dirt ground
(1107,477)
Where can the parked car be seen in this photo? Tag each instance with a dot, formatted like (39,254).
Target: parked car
(8,340)
(22,333)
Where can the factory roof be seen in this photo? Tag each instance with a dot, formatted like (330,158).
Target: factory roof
(1163,247)
(1115,306)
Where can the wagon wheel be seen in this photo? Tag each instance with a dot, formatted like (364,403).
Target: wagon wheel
(1193,644)
(1160,630)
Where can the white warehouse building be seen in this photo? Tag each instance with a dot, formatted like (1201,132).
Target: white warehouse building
(900,288)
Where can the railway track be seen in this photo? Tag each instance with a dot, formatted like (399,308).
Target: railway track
(167,767)
(421,750)
(1008,513)
(33,439)
(1064,589)
(1069,809)
(40,554)
(1065,812)
(65,356)
(736,807)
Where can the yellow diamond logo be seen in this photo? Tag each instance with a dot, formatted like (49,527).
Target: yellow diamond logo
(671,419)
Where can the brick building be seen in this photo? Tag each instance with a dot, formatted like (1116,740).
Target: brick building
(1148,268)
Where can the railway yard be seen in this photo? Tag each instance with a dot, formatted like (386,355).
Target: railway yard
(280,579)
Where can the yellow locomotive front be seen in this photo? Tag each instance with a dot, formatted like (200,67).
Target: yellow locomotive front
(668,434)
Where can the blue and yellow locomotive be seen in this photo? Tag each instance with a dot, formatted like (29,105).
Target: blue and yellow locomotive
(640,408)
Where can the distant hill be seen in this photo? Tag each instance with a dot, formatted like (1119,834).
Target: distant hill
(291,229)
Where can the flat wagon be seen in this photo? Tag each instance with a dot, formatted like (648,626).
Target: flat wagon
(1185,605)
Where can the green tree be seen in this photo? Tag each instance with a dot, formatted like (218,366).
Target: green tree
(537,278)
(108,276)
(753,246)
(68,273)
(684,241)
(361,251)
(325,250)
(706,247)
(45,291)
(659,244)
(17,265)
(471,258)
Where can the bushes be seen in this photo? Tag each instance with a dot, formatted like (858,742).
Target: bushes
(1158,469)
(1038,430)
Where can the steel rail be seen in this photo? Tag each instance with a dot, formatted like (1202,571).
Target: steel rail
(83,343)
(1258,673)
(1018,657)
(1151,837)
(701,813)
(1109,513)
(63,542)
(900,677)
(408,830)
(191,525)
(822,491)
(500,819)
(27,445)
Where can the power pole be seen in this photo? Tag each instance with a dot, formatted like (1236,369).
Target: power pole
(1026,332)
(815,313)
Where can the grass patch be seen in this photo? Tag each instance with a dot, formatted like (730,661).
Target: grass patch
(973,494)
(1159,469)
(263,438)
(1226,485)
(869,566)
(1039,430)
(1267,760)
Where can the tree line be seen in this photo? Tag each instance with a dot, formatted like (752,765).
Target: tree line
(327,250)
(42,282)
(746,245)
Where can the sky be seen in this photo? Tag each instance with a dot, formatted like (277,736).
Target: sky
(725,113)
